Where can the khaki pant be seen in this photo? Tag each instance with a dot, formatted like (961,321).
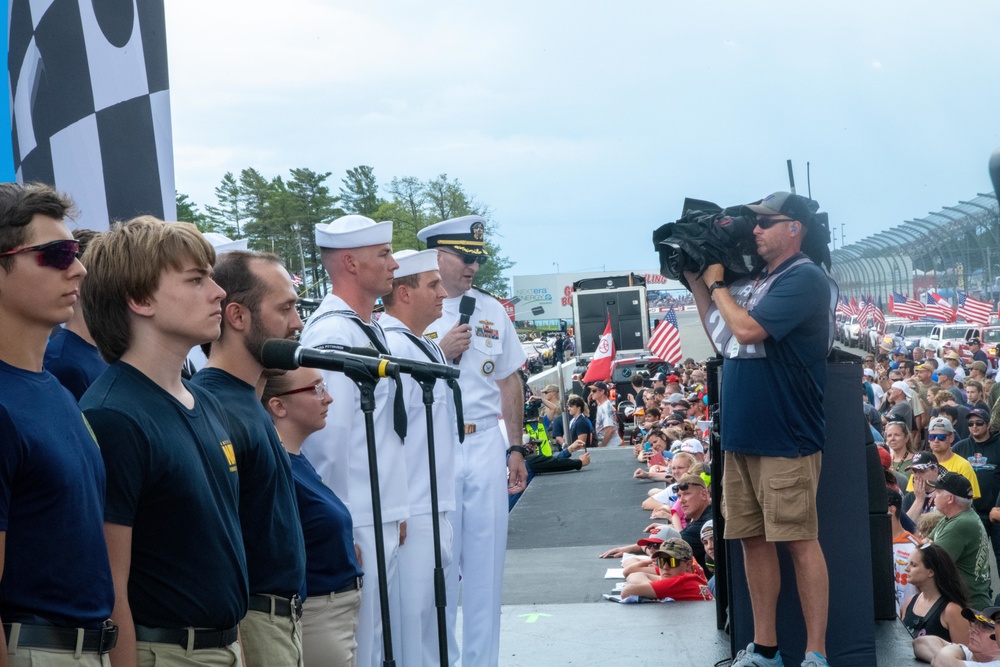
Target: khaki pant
(37,657)
(329,624)
(270,640)
(150,654)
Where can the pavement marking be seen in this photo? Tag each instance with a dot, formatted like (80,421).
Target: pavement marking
(531,618)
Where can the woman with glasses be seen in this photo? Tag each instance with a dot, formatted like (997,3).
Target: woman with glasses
(297,403)
(937,609)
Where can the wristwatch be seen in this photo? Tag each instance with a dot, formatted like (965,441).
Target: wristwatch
(519,449)
(714,286)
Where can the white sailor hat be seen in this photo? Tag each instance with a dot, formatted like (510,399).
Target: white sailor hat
(353,231)
(224,244)
(465,235)
(412,262)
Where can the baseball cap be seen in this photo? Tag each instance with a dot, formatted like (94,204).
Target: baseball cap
(666,532)
(660,377)
(947,371)
(895,497)
(952,354)
(675,398)
(974,341)
(923,461)
(550,387)
(954,483)
(940,424)
(903,387)
(707,529)
(978,412)
(978,366)
(791,206)
(983,617)
(924,367)
(869,373)
(675,547)
(601,385)
(692,446)
(885,457)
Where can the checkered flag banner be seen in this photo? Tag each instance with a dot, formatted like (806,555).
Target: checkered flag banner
(90,105)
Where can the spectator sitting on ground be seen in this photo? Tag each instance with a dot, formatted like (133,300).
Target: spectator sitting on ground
(646,545)
(937,609)
(680,578)
(679,465)
(673,512)
(657,446)
(696,504)
(695,448)
(982,649)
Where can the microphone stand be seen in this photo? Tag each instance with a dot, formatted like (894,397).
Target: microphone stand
(366,382)
(426,382)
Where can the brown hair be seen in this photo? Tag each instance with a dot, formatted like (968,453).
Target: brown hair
(574,399)
(126,263)
(19,204)
(276,384)
(412,280)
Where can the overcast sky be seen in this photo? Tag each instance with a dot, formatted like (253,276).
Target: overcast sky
(583,125)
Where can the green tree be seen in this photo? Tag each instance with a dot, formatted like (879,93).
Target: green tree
(228,216)
(187,211)
(359,193)
(255,192)
(316,206)
(407,210)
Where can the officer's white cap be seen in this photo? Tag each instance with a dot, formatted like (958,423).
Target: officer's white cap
(412,262)
(465,235)
(353,231)
(224,244)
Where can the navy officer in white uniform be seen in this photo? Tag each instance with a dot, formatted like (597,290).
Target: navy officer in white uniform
(488,352)
(414,303)
(357,254)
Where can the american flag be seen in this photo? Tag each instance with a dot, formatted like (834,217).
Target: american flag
(842,307)
(296,279)
(904,307)
(939,307)
(974,310)
(864,313)
(876,312)
(665,342)
(853,307)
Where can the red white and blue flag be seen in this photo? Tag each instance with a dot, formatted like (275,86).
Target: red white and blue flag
(974,310)
(842,307)
(876,313)
(296,279)
(599,369)
(911,308)
(939,307)
(665,343)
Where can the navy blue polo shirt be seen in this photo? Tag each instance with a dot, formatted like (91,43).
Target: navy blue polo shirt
(331,562)
(55,567)
(172,477)
(75,362)
(269,516)
(773,406)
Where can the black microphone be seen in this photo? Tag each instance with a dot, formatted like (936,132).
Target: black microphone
(423,369)
(995,171)
(287,355)
(466,307)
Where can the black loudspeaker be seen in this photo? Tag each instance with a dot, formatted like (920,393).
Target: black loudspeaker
(883,573)
(629,318)
(611,282)
(878,500)
(844,534)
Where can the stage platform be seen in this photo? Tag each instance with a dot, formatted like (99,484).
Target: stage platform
(553,613)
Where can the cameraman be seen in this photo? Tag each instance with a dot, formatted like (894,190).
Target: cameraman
(775,333)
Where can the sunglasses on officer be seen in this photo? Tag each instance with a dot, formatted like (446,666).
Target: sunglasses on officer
(469,259)
(58,255)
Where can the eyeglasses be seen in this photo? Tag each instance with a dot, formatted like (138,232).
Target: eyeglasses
(669,561)
(673,423)
(768,221)
(320,390)
(687,485)
(976,423)
(939,437)
(469,259)
(58,255)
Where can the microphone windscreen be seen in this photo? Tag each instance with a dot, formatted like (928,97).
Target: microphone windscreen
(279,353)
(466,307)
(995,171)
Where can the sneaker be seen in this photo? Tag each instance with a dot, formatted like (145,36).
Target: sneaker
(814,659)
(748,658)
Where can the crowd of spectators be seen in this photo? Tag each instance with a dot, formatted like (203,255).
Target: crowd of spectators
(935,424)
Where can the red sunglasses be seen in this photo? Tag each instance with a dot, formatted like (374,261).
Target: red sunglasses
(58,255)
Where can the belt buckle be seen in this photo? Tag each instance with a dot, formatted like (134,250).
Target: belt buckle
(295,605)
(470,429)
(108,637)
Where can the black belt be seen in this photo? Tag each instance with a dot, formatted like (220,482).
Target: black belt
(282,606)
(65,639)
(202,638)
(355,584)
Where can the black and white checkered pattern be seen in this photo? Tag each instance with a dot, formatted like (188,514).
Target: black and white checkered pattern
(91,105)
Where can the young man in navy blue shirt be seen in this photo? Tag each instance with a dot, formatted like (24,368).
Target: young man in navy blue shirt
(171,516)
(259,305)
(71,354)
(55,580)
(774,332)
